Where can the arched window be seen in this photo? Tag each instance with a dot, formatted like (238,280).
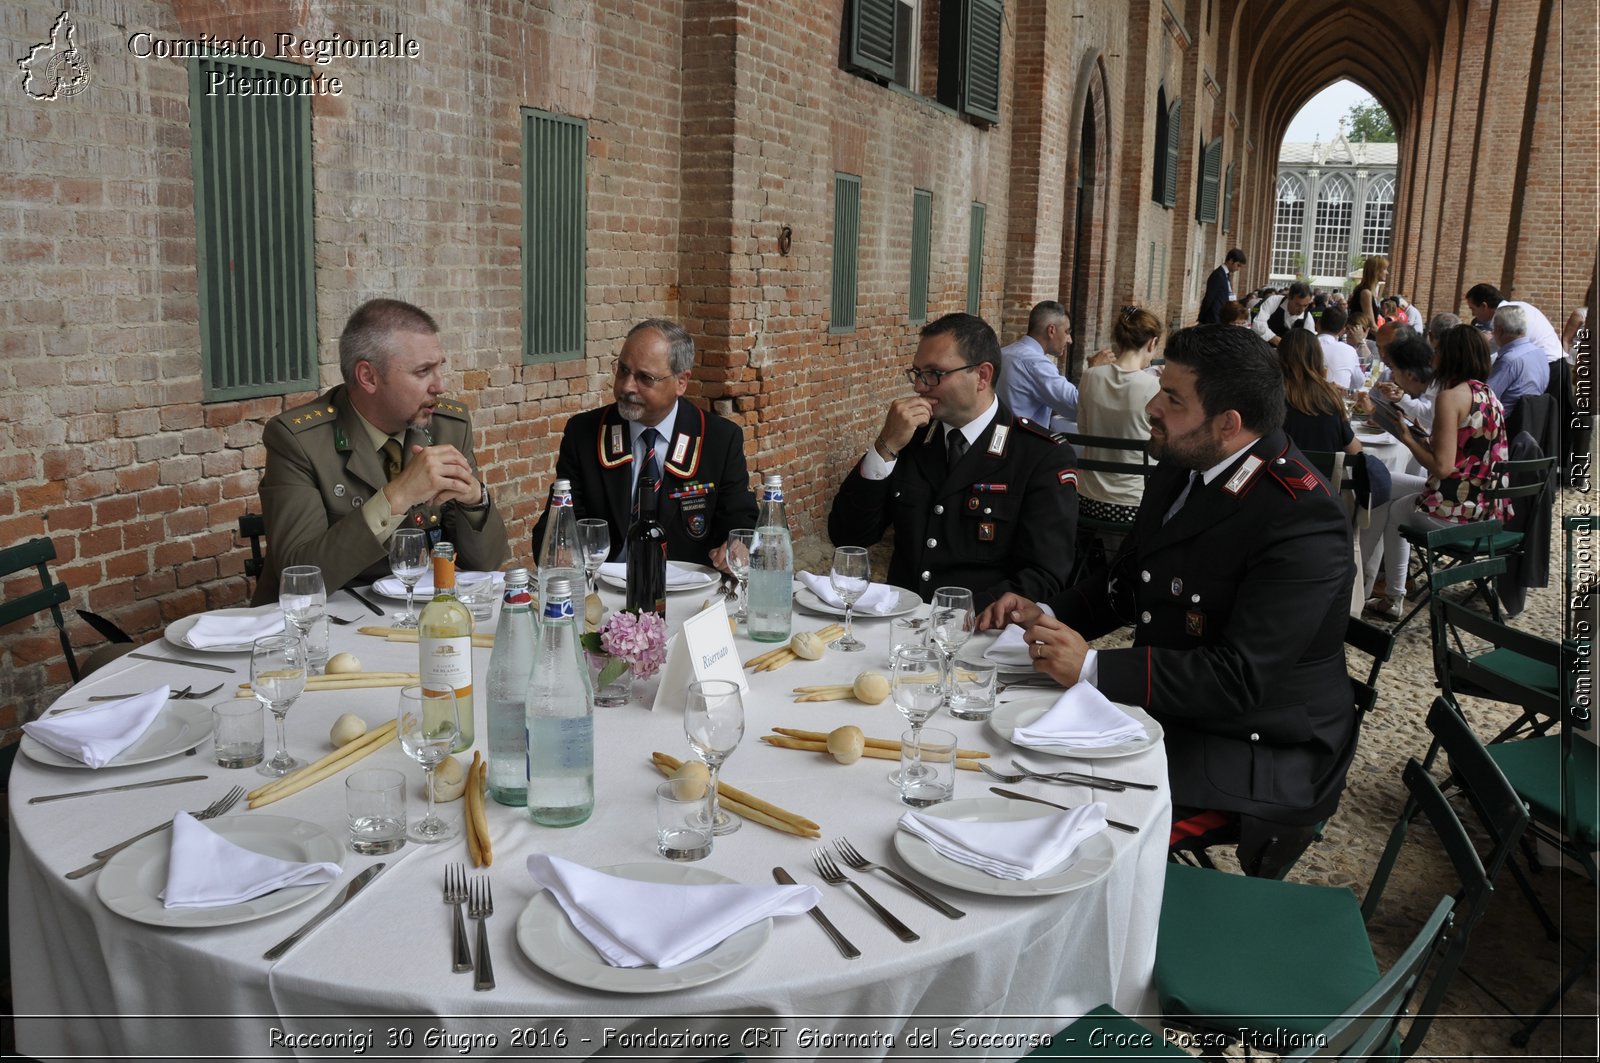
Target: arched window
(1289,222)
(1377,219)
(1330,238)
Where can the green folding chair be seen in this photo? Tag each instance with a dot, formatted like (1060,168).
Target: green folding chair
(51,595)
(1091,551)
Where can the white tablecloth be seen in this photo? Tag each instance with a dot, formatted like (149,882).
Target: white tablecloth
(88,982)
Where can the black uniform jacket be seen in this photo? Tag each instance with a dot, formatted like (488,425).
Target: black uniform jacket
(321,471)
(1239,605)
(1218,292)
(1003,519)
(705,488)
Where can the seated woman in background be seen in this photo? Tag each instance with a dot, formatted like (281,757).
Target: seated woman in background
(1462,459)
(1314,416)
(1234,313)
(1111,402)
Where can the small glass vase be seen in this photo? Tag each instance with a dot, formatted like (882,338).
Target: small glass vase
(618,691)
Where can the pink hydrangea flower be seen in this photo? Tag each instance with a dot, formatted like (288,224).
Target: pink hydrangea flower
(638,638)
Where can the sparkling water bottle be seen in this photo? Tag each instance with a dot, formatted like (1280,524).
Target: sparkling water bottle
(561,555)
(771,567)
(560,714)
(509,666)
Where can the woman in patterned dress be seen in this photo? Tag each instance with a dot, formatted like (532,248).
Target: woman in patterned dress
(1111,402)
(1461,464)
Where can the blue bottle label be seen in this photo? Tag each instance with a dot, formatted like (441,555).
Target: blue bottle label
(560,609)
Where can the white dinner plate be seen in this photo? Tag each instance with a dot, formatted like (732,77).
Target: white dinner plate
(131,881)
(1026,708)
(546,937)
(177,728)
(177,632)
(705,576)
(1088,864)
(908,603)
(1374,435)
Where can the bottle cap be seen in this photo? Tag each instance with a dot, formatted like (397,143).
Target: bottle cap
(773,479)
(518,577)
(559,587)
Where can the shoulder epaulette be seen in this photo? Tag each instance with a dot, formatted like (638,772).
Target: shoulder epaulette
(321,411)
(1035,429)
(452,409)
(1295,476)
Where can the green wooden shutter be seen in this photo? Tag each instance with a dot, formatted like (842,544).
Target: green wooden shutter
(975,260)
(1169,191)
(846,245)
(1227,199)
(970,35)
(1205,210)
(869,37)
(921,252)
(554,235)
(1158,183)
(253,231)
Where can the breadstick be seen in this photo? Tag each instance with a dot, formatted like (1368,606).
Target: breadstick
(823,689)
(474,853)
(479,641)
(306,777)
(875,752)
(371,739)
(877,743)
(365,684)
(347,677)
(748,805)
(842,695)
(480,816)
(477,820)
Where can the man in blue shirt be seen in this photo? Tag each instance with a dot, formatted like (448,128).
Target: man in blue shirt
(1031,383)
(1521,367)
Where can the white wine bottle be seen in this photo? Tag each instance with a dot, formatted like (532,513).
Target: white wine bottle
(444,642)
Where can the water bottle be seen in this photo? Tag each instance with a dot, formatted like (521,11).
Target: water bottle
(561,555)
(509,668)
(771,567)
(560,717)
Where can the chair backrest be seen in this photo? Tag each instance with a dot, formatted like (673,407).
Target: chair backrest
(253,527)
(1526,481)
(51,595)
(1371,640)
(1139,466)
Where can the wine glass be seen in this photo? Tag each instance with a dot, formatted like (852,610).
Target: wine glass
(408,560)
(304,600)
(713,721)
(851,576)
(918,691)
(950,626)
(739,564)
(594,538)
(427,725)
(277,676)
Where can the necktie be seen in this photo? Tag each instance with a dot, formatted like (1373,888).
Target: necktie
(955,444)
(651,467)
(1183,496)
(392,459)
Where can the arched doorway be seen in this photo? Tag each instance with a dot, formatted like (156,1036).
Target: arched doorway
(1083,270)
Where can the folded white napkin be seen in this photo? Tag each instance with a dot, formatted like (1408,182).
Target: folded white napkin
(390,587)
(1011,650)
(677,575)
(206,870)
(96,735)
(879,599)
(1014,849)
(638,924)
(1081,717)
(213,630)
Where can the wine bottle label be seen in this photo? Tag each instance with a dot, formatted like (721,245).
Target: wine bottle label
(446,664)
(444,573)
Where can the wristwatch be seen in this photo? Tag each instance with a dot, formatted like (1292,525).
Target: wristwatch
(483,499)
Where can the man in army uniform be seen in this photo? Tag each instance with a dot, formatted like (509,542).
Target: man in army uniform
(978,497)
(380,451)
(695,457)
(1237,581)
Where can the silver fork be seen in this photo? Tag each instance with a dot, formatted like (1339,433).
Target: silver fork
(1065,779)
(455,893)
(176,695)
(851,856)
(338,619)
(188,693)
(211,811)
(834,877)
(1078,775)
(481,906)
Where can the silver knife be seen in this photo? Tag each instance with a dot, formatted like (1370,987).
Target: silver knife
(363,600)
(1103,781)
(116,789)
(356,885)
(849,950)
(1129,827)
(179,660)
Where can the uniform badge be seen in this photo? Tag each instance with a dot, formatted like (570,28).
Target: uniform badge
(338,490)
(986,531)
(1068,476)
(616,437)
(1177,586)
(972,504)
(1194,622)
(697,525)
(997,442)
(680,448)
(1242,475)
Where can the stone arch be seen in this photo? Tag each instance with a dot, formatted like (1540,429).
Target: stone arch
(1087,190)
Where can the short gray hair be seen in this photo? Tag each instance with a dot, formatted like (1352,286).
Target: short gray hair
(366,334)
(1511,320)
(680,345)
(1441,324)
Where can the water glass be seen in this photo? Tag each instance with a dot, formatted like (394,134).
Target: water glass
(907,631)
(713,721)
(408,560)
(375,803)
(972,689)
(477,593)
(738,557)
(238,732)
(851,576)
(303,597)
(277,676)
(678,834)
(927,767)
(917,689)
(594,539)
(427,725)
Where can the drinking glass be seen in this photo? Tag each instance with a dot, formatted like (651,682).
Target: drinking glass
(713,721)
(739,564)
(408,560)
(303,597)
(427,725)
(918,691)
(277,676)
(851,576)
(594,539)
(950,626)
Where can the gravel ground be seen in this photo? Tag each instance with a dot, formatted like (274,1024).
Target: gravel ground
(1510,966)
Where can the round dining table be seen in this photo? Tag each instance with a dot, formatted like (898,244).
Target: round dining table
(376,978)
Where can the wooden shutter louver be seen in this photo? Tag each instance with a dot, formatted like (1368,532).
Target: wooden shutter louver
(869,37)
(1169,191)
(1227,199)
(554,235)
(980,83)
(1210,182)
(846,242)
(921,252)
(975,260)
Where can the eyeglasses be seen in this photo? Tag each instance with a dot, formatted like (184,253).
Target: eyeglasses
(931,378)
(646,380)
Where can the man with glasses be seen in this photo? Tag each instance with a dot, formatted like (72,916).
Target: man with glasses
(695,457)
(978,497)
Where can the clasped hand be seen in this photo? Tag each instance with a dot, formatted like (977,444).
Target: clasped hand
(1056,649)
(434,475)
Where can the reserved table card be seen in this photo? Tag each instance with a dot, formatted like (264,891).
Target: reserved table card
(702,649)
